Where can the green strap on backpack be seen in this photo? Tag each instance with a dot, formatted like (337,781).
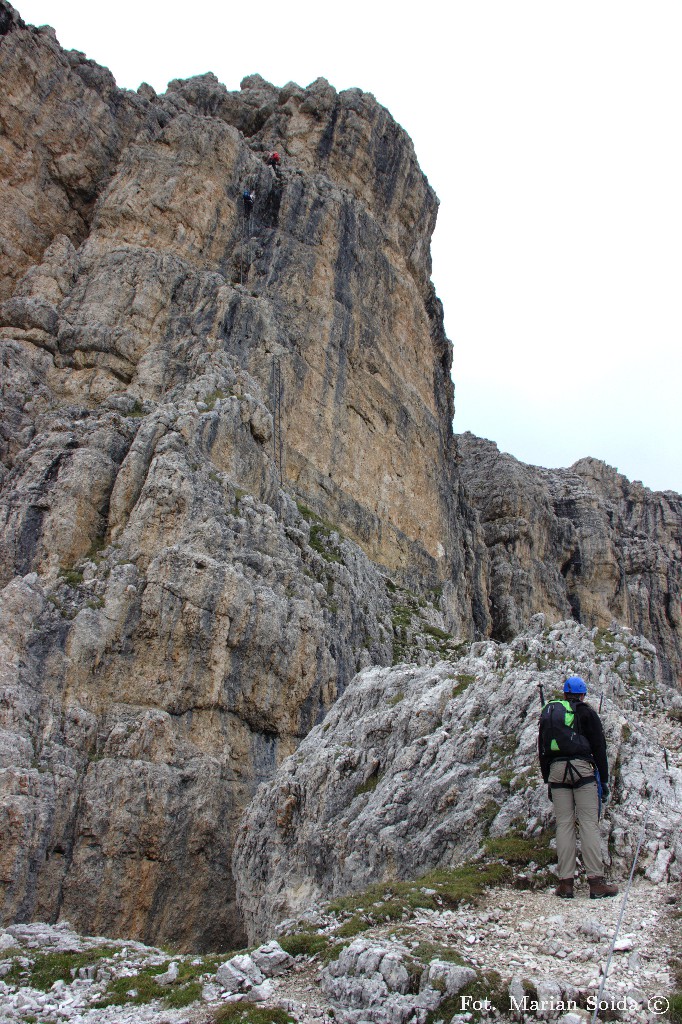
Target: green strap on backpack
(560,732)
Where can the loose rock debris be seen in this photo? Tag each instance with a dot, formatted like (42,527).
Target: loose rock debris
(515,956)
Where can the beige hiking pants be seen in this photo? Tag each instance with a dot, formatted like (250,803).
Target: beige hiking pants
(581,803)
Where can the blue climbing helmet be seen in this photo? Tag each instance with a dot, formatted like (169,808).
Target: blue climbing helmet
(574,684)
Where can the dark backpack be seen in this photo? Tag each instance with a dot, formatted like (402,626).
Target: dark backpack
(560,734)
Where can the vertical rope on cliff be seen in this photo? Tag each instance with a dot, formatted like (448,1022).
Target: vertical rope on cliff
(241,253)
(277,417)
(279,425)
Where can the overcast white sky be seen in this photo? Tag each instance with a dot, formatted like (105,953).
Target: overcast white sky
(551,132)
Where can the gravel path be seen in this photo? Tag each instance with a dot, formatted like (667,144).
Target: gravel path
(528,935)
(533,935)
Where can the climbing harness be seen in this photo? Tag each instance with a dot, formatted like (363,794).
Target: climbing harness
(572,778)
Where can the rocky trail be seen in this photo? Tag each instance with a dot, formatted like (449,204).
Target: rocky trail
(530,955)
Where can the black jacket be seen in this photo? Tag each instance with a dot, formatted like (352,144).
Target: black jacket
(589,724)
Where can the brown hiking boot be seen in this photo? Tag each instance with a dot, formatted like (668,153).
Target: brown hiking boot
(599,888)
(564,889)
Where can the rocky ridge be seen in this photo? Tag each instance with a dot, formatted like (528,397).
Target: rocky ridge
(581,542)
(414,769)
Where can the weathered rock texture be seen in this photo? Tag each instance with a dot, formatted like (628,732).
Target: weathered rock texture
(582,541)
(413,767)
(331,273)
(393,973)
(172,623)
(64,127)
(179,604)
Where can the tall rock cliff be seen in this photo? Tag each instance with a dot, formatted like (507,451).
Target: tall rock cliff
(228,480)
(330,274)
(581,542)
(174,620)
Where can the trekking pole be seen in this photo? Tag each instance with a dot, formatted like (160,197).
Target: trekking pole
(622,909)
(626,893)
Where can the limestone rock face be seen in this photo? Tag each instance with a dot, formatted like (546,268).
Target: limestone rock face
(583,541)
(173,620)
(330,273)
(145,696)
(227,473)
(414,767)
(64,126)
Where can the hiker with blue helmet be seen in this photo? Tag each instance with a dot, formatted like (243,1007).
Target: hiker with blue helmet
(572,751)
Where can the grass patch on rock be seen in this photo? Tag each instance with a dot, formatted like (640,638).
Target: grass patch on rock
(487,986)
(438,634)
(463,681)
(465,884)
(446,1010)
(47,968)
(517,849)
(442,888)
(674,1014)
(321,531)
(143,987)
(180,996)
(402,616)
(603,641)
(370,784)
(428,951)
(487,814)
(303,944)
(506,746)
(72,577)
(239,1013)
(135,989)
(215,396)
(321,541)
(353,926)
